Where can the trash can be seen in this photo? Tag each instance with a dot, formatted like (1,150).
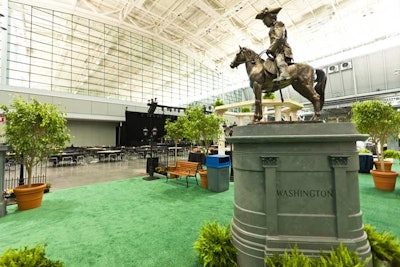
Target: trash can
(218,172)
(151,164)
(366,162)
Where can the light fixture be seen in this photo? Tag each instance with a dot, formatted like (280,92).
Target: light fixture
(154,131)
(145,131)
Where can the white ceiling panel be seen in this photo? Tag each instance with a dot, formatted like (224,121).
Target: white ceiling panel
(211,30)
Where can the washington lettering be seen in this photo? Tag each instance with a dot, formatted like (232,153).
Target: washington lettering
(298,193)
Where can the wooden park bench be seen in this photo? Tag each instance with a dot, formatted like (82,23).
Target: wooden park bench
(183,168)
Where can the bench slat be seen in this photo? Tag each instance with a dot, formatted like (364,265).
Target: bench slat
(183,168)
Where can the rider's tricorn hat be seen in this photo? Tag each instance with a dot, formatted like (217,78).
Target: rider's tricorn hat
(265,11)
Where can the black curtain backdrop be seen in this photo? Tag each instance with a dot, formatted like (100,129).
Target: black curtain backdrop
(135,122)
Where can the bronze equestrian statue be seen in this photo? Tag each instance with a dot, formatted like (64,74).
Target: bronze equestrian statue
(262,73)
(278,71)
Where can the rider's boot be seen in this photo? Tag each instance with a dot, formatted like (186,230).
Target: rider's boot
(282,66)
(283,77)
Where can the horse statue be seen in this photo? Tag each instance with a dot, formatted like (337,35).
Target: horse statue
(261,73)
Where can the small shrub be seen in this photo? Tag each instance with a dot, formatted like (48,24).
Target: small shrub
(28,257)
(214,246)
(245,109)
(269,95)
(364,150)
(384,246)
(218,102)
(341,256)
(390,153)
(161,170)
(294,258)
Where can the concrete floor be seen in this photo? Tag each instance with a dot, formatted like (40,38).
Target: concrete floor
(92,172)
(77,175)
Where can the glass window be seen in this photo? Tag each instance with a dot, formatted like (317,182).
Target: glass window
(61,82)
(88,55)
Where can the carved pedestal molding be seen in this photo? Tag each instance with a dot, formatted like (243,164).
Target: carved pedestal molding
(296,184)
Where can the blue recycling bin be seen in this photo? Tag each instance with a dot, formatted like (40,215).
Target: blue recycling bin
(218,167)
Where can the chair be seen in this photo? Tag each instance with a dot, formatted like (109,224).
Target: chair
(80,159)
(112,157)
(54,160)
(67,160)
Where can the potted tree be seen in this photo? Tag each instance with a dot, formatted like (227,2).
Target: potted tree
(176,131)
(204,128)
(34,131)
(380,121)
(196,126)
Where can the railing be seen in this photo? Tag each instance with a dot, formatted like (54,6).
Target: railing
(13,174)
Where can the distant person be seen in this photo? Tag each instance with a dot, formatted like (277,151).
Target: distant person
(279,47)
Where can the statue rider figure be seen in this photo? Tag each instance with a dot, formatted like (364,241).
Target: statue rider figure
(279,47)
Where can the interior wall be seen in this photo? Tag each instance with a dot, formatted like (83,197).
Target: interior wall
(368,74)
(92,133)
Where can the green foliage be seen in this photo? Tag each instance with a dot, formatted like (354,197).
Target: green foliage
(195,126)
(245,109)
(218,102)
(269,95)
(364,150)
(214,246)
(176,129)
(378,119)
(292,259)
(161,170)
(390,153)
(28,257)
(339,257)
(34,131)
(202,127)
(384,246)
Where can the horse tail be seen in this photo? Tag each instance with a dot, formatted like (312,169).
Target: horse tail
(320,86)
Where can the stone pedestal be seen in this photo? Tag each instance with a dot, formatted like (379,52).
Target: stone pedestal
(3,203)
(296,183)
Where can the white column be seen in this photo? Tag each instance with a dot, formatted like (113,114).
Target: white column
(278,113)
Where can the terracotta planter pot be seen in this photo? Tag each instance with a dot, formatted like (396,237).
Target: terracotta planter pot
(29,197)
(388,165)
(203,179)
(384,180)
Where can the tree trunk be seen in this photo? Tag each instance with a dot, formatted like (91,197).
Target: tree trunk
(381,155)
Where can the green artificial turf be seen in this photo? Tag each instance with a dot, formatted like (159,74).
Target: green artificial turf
(129,222)
(133,222)
(380,208)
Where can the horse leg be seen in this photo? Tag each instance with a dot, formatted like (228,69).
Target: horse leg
(257,93)
(315,100)
(307,90)
(319,90)
(303,81)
